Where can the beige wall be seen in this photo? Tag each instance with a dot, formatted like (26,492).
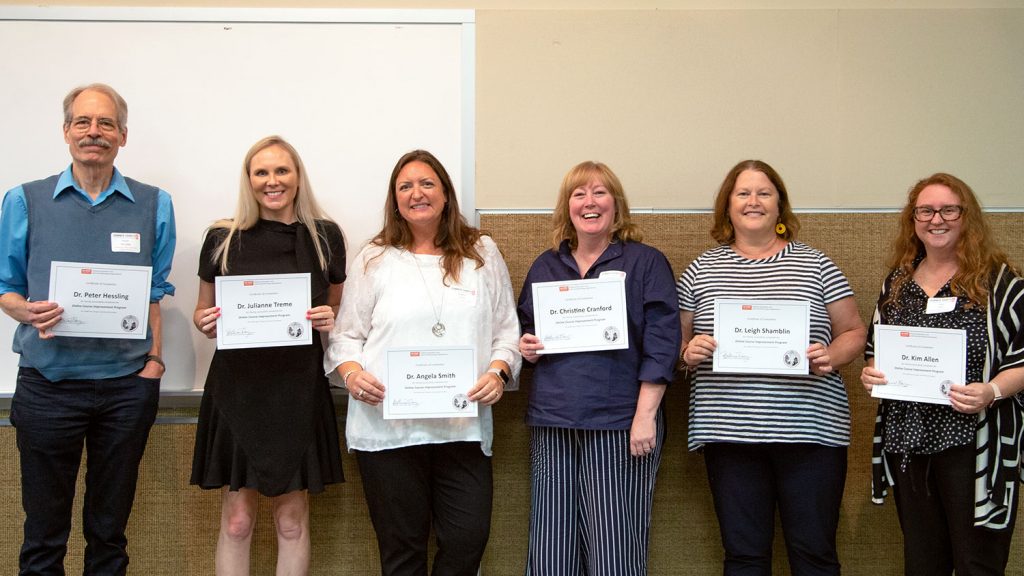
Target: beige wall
(851,100)
(851,106)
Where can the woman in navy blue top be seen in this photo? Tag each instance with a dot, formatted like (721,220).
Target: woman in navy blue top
(597,426)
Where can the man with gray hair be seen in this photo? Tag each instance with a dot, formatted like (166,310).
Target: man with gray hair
(71,392)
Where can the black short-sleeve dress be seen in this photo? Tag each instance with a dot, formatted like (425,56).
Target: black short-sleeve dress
(266,420)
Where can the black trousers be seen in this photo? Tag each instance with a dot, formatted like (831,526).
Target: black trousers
(804,481)
(935,503)
(408,490)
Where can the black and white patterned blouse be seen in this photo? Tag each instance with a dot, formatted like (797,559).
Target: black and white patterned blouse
(918,427)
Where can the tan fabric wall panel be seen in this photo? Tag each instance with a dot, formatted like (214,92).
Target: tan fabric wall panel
(174,526)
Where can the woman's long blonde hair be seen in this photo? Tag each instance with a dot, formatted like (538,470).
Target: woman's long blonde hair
(978,256)
(247,211)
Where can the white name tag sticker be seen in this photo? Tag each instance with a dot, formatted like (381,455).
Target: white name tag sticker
(125,242)
(940,305)
(464,295)
(612,274)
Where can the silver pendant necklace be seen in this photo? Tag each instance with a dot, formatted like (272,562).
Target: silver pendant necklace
(438,328)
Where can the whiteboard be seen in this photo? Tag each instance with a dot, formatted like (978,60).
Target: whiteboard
(352,90)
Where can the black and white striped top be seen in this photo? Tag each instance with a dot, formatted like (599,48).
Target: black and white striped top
(765,408)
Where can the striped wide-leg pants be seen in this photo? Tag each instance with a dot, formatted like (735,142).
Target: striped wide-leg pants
(591,502)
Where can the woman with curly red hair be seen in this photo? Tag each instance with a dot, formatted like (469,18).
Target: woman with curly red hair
(953,468)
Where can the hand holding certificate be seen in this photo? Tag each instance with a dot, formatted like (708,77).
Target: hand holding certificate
(920,364)
(263,310)
(761,336)
(430,382)
(101,300)
(581,315)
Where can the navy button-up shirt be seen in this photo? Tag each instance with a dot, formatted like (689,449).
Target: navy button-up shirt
(599,390)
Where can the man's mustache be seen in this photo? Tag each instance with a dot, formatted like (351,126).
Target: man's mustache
(87,141)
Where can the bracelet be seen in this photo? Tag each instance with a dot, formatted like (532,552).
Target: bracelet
(344,379)
(157,359)
(682,360)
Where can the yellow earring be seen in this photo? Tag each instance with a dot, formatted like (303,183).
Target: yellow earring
(780,228)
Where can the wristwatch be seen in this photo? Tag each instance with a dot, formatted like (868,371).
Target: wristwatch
(501,374)
(997,393)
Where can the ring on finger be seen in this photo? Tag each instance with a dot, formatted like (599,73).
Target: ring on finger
(361,393)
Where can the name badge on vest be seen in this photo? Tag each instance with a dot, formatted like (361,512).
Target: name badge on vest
(125,242)
(940,305)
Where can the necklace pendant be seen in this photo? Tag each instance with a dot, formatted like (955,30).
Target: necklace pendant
(438,329)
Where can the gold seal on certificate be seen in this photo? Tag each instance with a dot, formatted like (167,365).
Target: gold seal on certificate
(101,300)
(920,364)
(263,310)
(581,315)
(761,336)
(430,382)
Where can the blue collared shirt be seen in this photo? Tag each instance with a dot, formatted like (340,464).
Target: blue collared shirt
(14,234)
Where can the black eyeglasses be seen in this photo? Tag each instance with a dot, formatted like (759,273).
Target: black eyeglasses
(947,213)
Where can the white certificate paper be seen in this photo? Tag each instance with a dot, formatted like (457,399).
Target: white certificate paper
(761,336)
(430,382)
(101,300)
(581,315)
(263,310)
(920,364)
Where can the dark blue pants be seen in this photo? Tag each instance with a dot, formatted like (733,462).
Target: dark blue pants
(111,418)
(447,485)
(805,482)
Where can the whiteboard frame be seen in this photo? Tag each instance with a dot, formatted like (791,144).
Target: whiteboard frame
(465,19)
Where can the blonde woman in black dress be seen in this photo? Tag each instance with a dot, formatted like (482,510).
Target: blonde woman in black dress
(267,424)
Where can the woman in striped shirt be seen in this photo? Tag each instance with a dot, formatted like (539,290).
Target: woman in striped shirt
(770,440)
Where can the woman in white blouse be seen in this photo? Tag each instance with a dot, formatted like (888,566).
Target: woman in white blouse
(428,280)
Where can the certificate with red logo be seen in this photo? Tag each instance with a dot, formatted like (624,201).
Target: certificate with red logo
(581,315)
(761,336)
(920,364)
(263,310)
(101,300)
(430,382)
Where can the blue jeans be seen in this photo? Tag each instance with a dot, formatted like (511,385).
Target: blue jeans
(805,482)
(111,418)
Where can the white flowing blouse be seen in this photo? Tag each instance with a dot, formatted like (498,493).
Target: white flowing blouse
(392,299)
